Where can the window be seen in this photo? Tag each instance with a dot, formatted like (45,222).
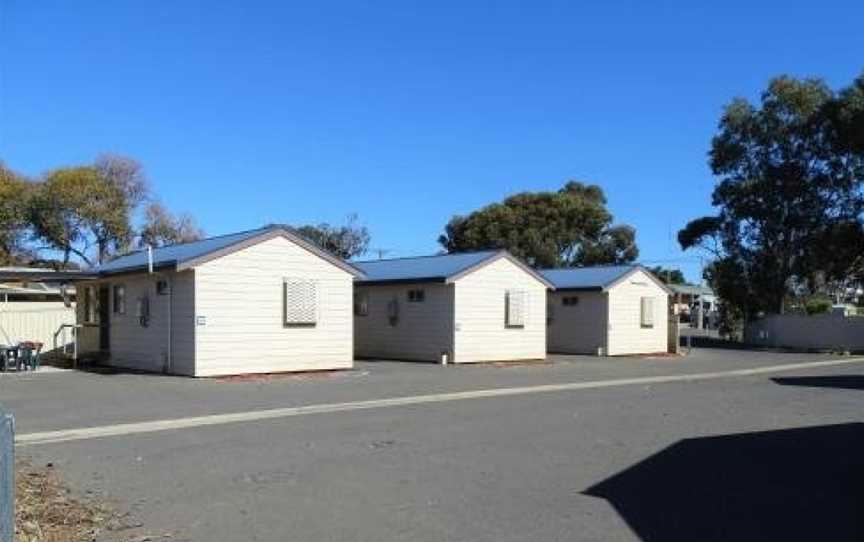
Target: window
(361,303)
(647,312)
(142,310)
(393,311)
(300,302)
(515,302)
(119,301)
(162,287)
(416,296)
(570,300)
(89,304)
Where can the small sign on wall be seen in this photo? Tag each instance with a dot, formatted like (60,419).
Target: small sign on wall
(200,320)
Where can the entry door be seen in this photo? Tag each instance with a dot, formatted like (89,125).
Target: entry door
(104,318)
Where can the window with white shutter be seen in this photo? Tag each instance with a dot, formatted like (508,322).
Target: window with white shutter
(300,302)
(647,312)
(515,302)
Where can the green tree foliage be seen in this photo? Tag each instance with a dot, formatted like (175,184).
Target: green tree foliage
(346,241)
(15,192)
(83,212)
(161,227)
(76,210)
(669,276)
(790,193)
(570,227)
(817,305)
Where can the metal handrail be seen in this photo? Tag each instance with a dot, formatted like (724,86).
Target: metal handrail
(62,329)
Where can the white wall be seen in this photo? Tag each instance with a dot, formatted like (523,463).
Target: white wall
(422,331)
(480,330)
(134,346)
(626,334)
(239,299)
(822,332)
(580,328)
(34,321)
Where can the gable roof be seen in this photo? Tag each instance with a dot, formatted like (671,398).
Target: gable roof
(187,255)
(599,278)
(438,268)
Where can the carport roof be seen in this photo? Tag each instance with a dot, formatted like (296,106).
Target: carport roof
(437,268)
(42,274)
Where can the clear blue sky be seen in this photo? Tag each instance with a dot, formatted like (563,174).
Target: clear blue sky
(404,112)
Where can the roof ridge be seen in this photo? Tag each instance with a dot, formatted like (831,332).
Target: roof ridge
(171,245)
(604,266)
(490,251)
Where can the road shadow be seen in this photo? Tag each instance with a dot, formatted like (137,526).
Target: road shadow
(846,382)
(792,484)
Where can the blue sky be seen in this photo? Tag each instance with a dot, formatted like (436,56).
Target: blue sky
(404,112)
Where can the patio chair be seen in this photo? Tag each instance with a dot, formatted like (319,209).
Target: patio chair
(8,357)
(29,355)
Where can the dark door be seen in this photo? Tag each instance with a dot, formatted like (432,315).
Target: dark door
(104,318)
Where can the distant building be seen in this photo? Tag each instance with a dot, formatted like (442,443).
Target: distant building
(686,302)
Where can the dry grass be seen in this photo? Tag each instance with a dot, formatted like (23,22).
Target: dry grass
(45,510)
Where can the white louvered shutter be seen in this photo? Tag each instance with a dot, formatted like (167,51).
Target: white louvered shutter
(516,308)
(300,302)
(647,312)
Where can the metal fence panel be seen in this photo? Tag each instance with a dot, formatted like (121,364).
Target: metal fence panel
(7,476)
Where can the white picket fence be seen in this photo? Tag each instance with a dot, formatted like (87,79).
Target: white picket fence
(34,321)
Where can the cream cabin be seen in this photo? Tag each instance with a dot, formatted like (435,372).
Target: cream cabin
(615,310)
(456,308)
(259,301)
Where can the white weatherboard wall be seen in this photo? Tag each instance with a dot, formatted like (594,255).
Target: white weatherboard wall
(626,334)
(239,319)
(422,330)
(481,333)
(579,328)
(146,348)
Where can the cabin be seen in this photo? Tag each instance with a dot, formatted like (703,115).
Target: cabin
(607,311)
(258,301)
(452,308)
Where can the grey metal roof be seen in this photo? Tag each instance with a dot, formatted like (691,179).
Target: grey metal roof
(585,278)
(422,268)
(196,252)
(175,254)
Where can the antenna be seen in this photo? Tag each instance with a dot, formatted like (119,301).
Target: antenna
(381,252)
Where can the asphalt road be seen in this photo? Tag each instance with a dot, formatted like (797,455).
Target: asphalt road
(755,457)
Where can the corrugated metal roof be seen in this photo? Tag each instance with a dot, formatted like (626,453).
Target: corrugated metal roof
(174,254)
(422,267)
(585,278)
